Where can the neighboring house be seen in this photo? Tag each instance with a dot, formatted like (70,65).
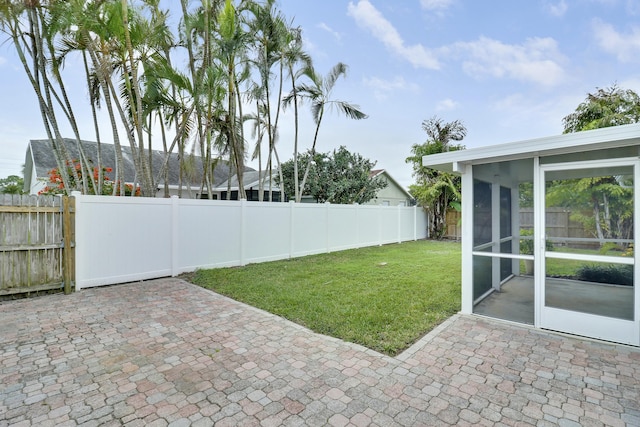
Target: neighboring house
(393,194)
(251,181)
(40,160)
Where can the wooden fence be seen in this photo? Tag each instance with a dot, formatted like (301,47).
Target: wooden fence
(558,223)
(454,225)
(36,244)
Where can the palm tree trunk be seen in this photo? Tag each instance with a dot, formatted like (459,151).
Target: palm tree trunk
(312,154)
(144,171)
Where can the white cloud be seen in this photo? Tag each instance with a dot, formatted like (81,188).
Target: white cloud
(557,9)
(537,60)
(633,7)
(2,61)
(382,88)
(330,30)
(436,4)
(625,47)
(369,18)
(446,105)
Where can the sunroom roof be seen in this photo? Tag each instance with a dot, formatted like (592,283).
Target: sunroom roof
(598,139)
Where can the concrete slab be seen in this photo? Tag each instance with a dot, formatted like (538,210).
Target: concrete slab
(167,353)
(515,301)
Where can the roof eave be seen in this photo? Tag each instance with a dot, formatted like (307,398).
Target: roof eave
(616,136)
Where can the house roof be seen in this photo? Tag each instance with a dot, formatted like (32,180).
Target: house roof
(41,151)
(250,179)
(598,139)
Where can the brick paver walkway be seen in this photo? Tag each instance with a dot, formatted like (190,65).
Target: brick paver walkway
(165,352)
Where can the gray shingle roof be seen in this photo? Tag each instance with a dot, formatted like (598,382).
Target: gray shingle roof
(44,161)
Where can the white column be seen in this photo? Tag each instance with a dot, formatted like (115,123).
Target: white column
(175,235)
(467,240)
(243,231)
(495,231)
(292,228)
(515,227)
(538,233)
(636,253)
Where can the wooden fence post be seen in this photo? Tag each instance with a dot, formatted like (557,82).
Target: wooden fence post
(68,204)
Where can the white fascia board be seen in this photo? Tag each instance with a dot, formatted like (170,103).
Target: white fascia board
(610,137)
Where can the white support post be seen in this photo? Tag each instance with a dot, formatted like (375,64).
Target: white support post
(357,224)
(79,233)
(415,223)
(636,238)
(243,232)
(328,231)
(495,232)
(515,229)
(292,211)
(399,216)
(467,240)
(380,208)
(538,232)
(175,235)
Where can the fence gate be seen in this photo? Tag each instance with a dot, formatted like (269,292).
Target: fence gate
(36,244)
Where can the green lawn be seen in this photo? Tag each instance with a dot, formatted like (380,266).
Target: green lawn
(384,298)
(569,268)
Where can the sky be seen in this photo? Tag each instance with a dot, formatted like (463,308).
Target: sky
(509,70)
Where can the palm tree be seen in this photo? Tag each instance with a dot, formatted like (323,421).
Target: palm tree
(266,30)
(292,55)
(318,92)
(436,190)
(28,26)
(230,44)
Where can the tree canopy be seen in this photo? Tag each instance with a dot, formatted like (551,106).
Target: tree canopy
(603,204)
(12,184)
(183,83)
(339,177)
(611,106)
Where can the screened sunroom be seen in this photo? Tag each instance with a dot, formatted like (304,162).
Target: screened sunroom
(548,230)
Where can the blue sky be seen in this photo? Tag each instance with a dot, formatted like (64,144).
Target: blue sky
(510,70)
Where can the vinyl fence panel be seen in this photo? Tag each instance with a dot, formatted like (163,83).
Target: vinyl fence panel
(127,239)
(266,232)
(312,222)
(207,234)
(122,239)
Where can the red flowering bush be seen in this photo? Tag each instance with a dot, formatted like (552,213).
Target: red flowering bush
(56,186)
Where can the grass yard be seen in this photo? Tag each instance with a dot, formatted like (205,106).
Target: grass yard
(384,298)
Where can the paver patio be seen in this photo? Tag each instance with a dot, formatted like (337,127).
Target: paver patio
(166,352)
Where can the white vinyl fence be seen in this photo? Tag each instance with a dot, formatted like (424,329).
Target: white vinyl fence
(124,239)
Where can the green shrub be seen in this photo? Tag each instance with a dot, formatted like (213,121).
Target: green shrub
(611,274)
(526,245)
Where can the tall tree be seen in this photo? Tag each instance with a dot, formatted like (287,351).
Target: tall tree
(268,32)
(608,198)
(12,184)
(126,49)
(319,92)
(294,56)
(32,30)
(339,177)
(611,106)
(232,43)
(435,190)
